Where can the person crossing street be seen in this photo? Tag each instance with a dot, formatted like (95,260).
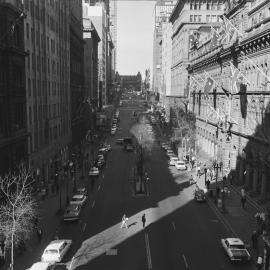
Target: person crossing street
(124,220)
(143,220)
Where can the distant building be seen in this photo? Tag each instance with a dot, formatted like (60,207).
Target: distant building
(91,40)
(163,11)
(131,82)
(98,15)
(13,121)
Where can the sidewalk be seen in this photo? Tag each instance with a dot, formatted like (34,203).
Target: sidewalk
(240,222)
(50,215)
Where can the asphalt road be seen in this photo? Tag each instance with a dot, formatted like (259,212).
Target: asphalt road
(179,233)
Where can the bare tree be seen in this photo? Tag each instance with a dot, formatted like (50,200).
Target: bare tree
(17,208)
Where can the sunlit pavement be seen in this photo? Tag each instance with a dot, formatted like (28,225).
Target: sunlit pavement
(179,233)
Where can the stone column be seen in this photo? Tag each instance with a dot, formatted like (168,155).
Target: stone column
(264,182)
(255,179)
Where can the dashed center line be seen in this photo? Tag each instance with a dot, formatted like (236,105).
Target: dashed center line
(84,226)
(148,251)
(93,204)
(185,260)
(173,224)
(99,187)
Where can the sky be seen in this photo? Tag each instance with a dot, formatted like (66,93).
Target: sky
(135,26)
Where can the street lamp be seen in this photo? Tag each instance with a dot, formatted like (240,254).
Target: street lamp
(217,167)
(205,172)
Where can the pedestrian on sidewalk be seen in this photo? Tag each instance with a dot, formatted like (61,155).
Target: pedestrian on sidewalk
(143,220)
(254,239)
(39,234)
(199,171)
(208,184)
(124,220)
(243,198)
(259,263)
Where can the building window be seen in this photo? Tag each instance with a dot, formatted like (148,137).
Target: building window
(213,18)
(26,4)
(191,5)
(199,18)
(32,36)
(29,87)
(27,30)
(191,18)
(30,115)
(207,6)
(195,18)
(48,66)
(19,116)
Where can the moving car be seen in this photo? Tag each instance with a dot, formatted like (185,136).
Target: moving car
(78,199)
(72,212)
(94,171)
(199,195)
(56,250)
(235,249)
(42,266)
(173,160)
(180,165)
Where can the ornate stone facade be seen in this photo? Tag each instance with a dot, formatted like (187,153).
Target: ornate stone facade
(247,151)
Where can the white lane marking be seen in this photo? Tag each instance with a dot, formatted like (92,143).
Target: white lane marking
(185,260)
(84,226)
(103,176)
(93,204)
(173,225)
(148,251)
(99,187)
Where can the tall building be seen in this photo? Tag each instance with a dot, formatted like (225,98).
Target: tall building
(187,18)
(47,72)
(99,17)
(163,10)
(166,62)
(13,124)
(77,89)
(241,139)
(91,40)
(113,31)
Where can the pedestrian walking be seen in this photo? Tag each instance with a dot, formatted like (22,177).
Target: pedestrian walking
(259,262)
(208,184)
(39,234)
(199,171)
(124,220)
(243,201)
(254,239)
(143,220)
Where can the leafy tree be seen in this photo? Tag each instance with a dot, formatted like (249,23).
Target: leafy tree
(17,208)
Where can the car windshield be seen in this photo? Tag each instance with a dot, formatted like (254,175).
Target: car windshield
(51,251)
(77,199)
(237,246)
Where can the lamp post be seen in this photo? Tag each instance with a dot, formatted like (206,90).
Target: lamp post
(205,172)
(217,166)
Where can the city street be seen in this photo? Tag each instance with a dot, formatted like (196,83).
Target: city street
(179,233)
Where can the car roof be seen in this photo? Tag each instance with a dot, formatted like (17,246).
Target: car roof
(78,196)
(56,244)
(40,266)
(81,189)
(72,206)
(180,161)
(235,241)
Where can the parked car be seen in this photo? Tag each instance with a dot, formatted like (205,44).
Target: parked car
(113,131)
(78,199)
(180,165)
(120,141)
(82,191)
(72,212)
(56,250)
(94,171)
(42,266)
(129,148)
(235,249)
(170,153)
(199,195)
(173,160)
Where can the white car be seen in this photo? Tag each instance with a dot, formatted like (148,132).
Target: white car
(235,249)
(94,171)
(113,130)
(173,160)
(42,266)
(78,199)
(180,165)
(170,153)
(56,251)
